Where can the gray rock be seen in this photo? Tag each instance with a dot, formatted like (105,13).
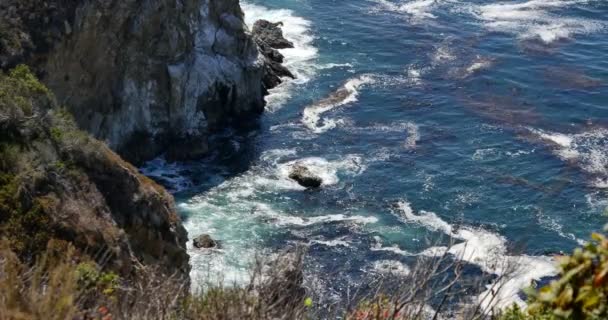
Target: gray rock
(271,34)
(204,242)
(304,177)
(141,73)
(269,38)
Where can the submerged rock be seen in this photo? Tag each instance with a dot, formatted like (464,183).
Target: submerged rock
(304,177)
(204,242)
(269,38)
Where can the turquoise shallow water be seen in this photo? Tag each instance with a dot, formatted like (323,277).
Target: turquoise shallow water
(484,121)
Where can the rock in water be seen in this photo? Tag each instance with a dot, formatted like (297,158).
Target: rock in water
(204,242)
(304,177)
(271,34)
(269,38)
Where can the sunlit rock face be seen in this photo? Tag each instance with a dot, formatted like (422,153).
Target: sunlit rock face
(146,76)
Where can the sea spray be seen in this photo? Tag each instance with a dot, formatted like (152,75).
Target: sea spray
(488,251)
(346,94)
(300,60)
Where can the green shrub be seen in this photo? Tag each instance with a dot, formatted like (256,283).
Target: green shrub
(25,228)
(90,278)
(581,292)
(26,81)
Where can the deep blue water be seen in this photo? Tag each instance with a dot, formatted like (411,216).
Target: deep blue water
(482,120)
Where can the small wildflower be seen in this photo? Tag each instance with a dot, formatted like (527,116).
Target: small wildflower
(308,302)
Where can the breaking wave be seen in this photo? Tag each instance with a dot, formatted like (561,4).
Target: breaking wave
(300,60)
(346,94)
(488,251)
(587,150)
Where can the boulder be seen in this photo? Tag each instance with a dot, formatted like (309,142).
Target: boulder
(305,177)
(204,242)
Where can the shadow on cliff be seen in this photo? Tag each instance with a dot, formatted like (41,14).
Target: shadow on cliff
(231,152)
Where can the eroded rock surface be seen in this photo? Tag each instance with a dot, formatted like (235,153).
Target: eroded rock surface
(59,184)
(269,37)
(140,75)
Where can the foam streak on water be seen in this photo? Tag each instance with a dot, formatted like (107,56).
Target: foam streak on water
(534,19)
(346,94)
(588,150)
(416,9)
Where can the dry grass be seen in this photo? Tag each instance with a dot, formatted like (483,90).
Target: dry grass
(436,288)
(53,288)
(59,286)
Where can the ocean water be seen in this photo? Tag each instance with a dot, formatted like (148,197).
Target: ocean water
(483,121)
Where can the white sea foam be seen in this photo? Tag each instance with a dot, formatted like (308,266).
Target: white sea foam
(392,267)
(478,64)
(550,223)
(588,150)
(530,19)
(335,65)
(237,211)
(394,249)
(326,170)
(414,74)
(300,60)
(488,251)
(415,9)
(413,136)
(332,243)
(535,19)
(286,220)
(346,94)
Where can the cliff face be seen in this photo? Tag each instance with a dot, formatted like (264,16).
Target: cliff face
(145,76)
(57,183)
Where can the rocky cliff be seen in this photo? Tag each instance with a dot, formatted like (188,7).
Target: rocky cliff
(146,76)
(59,185)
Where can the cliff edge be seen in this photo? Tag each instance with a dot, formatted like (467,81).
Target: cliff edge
(146,77)
(58,183)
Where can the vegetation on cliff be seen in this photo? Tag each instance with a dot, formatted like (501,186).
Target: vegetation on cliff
(58,185)
(59,286)
(161,73)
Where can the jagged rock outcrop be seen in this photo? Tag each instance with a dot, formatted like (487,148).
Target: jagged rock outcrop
(269,37)
(57,183)
(304,177)
(145,76)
